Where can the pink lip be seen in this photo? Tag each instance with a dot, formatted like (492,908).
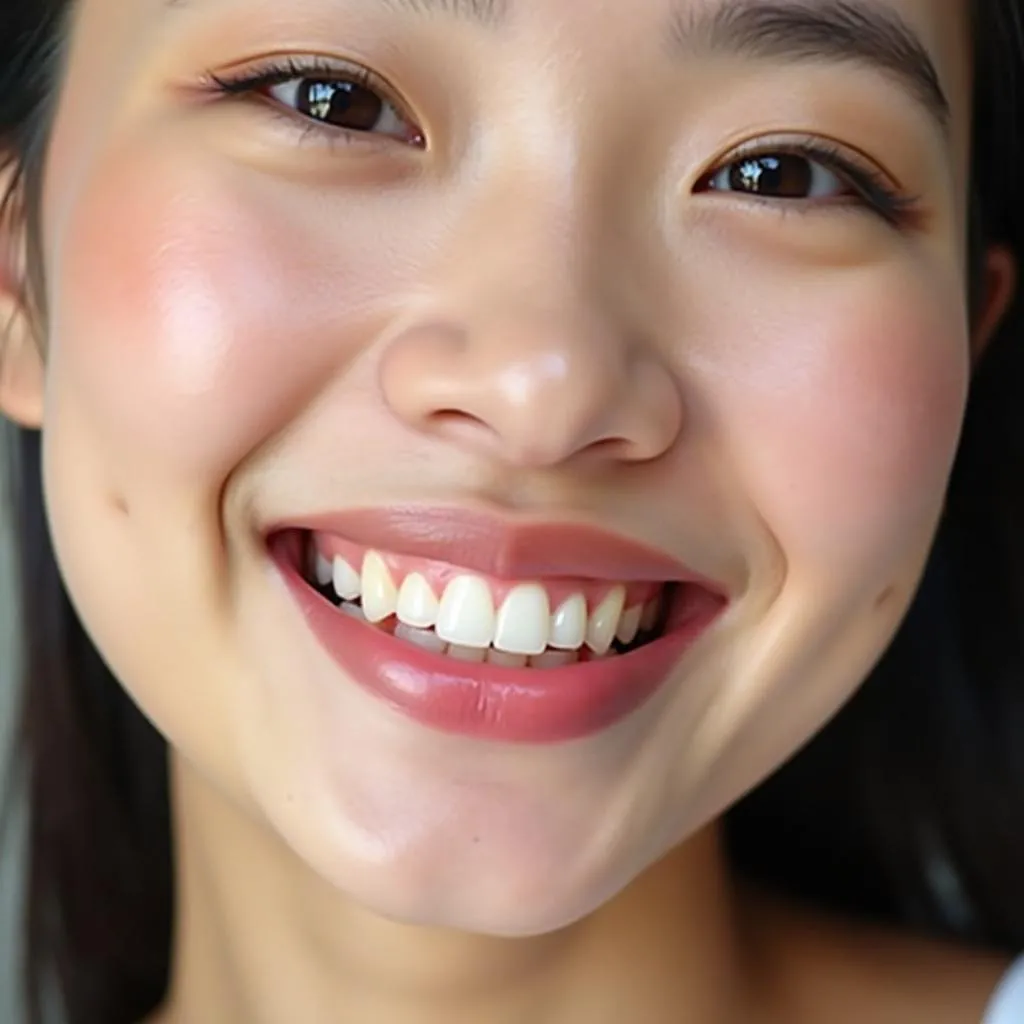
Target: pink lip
(485,701)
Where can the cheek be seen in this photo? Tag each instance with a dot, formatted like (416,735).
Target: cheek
(194,318)
(845,415)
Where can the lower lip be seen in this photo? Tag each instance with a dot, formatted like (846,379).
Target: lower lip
(490,702)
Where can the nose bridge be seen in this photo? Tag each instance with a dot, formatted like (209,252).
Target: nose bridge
(526,351)
(528,230)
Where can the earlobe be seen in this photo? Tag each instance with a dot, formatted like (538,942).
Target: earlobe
(21,361)
(999,291)
(20,357)
(21,365)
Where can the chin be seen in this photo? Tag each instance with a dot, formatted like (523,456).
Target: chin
(462,873)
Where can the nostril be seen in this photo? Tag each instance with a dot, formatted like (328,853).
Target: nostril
(442,421)
(441,417)
(531,391)
(523,444)
(609,448)
(463,429)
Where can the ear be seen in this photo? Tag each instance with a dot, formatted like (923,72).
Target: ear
(21,361)
(999,286)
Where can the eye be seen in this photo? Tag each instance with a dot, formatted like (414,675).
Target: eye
(338,101)
(779,176)
(348,105)
(813,174)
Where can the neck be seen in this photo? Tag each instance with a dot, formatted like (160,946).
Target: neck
(260,938)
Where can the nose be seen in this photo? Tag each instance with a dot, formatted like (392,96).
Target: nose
(520,361)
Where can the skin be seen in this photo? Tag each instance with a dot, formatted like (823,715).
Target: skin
(537,315)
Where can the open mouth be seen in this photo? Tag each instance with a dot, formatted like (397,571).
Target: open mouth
(472,618)
(452,631)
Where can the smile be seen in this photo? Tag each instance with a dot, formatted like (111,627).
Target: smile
(539,623)
(439,624)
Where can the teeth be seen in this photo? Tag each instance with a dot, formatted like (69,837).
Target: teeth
(629,625)
(605,620)
(379,592)
(464,624)
(345,579)
(417,605)
(472,654)
(649,618)
(466,614)
(524,620)
(323,569)
(554,659)
(569,624)
(425,638)
(506,660)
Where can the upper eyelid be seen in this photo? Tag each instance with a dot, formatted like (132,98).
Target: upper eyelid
(249,80)
(287,67)
(878,188)
(814,146)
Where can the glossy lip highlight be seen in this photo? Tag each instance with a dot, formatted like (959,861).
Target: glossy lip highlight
(486,701)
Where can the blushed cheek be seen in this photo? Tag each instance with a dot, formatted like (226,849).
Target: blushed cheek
(193,319)
(847,428)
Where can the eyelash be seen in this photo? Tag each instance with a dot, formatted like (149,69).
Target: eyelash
(278,71)
(873,190)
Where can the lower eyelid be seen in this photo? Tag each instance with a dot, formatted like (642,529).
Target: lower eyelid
(295,130)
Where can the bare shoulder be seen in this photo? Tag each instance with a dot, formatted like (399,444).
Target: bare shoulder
(845,972)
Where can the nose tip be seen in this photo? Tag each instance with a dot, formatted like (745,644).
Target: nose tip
(532,391)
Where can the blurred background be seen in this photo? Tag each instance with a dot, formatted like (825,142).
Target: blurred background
(11,841)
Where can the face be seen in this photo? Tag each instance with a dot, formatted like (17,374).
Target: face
(349,277)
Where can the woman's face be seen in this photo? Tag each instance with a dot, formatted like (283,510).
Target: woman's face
(691,273)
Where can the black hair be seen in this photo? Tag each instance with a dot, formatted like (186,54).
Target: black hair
(907,808)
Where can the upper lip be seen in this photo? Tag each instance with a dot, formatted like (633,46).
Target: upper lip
(488,544)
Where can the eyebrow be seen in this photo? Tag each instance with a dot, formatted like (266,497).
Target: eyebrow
(863,32)
(489,13)
(815,31)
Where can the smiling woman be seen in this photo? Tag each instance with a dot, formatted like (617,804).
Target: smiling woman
(519,508)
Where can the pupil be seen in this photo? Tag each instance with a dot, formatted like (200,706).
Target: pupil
(784,176)
(341,104)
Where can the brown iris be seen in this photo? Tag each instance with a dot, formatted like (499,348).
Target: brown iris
(781,176)
(341,104)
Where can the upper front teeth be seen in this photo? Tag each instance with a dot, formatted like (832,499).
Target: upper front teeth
(465,615)
(524,620)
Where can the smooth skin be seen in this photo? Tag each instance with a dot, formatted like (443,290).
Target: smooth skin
(541,312)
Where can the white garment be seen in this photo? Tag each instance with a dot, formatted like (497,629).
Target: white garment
(1007,1006)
